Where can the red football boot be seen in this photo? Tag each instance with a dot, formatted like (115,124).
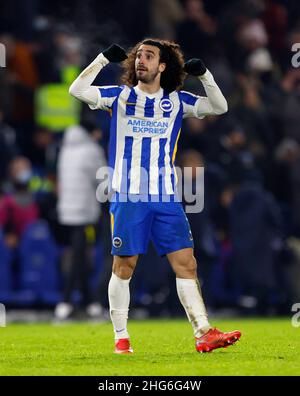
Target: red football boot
(215,338)
(123,346)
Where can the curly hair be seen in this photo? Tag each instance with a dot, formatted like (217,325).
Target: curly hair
(170,53)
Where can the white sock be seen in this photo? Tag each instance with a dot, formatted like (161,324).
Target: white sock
(119,297)
(190,296)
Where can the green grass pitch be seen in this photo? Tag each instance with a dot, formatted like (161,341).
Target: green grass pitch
(161,347)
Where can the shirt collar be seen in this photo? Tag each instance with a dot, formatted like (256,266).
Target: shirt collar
(153,95)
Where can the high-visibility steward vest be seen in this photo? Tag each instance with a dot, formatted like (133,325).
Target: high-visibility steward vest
(55,108)
(40,184)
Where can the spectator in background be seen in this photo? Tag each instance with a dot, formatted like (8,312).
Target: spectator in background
(44,151)
(222,142)
(201,225)
(196,33)
(252,112)
(288,164)
(288,151)
(78,162)
(254,230)
(234,155)
(290,103)
(18,208)
(275,18)
(247,44)
(20,79)
(5,93)
(252,38)
(165,14)
(21,73)
(8,145)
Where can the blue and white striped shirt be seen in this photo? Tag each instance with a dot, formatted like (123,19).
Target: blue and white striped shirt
(143,136)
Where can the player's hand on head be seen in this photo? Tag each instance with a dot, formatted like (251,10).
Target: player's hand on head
(195,67)
(115,53)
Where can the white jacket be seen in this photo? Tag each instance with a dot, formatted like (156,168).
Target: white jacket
(79,159)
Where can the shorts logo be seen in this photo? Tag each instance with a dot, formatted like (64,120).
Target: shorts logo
(166,105)
(117,242)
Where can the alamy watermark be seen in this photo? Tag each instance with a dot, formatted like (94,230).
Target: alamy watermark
(296,57)
(154,185)
(2,55)
(2,315)
(296,317)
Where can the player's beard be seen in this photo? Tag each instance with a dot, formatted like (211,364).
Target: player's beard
(148,77)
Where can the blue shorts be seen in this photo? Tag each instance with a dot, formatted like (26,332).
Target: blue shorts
(134,224)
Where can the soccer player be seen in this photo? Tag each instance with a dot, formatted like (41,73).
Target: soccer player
(146,117)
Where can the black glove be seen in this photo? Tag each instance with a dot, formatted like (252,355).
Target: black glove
(195,67)
(115,53)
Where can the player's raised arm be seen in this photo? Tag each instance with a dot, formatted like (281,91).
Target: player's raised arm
(82,87)
(214,103)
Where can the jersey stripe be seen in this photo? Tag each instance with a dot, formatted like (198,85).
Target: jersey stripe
(161,164)
(168,182)
(154,171)
(135,167)
(188,98)
(173,142)
(145,165)
(145,136)
(119,152)
(110,92)
(175,131)
(113,139)
(126,163)
(149,108)
(131,103)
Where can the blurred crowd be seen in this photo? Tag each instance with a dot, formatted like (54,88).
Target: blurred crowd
(247,238)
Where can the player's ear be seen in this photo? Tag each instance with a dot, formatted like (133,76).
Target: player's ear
(162,67)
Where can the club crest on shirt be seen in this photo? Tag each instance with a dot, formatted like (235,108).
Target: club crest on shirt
(166,105)
(117,242)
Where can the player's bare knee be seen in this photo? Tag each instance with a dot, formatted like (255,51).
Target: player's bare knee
(124,267)
(123,271)
(193,264)
(186,268)
(190,269)
(190,264)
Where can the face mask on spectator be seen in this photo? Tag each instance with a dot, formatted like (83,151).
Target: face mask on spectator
(23,177)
